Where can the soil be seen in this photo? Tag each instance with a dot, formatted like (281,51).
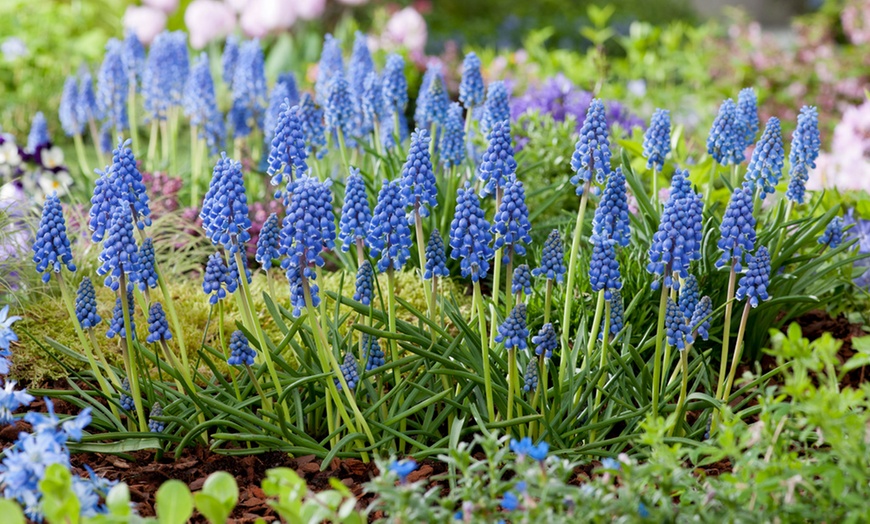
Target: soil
(145,471)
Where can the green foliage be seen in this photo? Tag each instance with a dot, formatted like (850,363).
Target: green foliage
(174,503)
(218,497)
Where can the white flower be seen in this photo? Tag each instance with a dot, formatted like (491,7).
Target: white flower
(52,158)
(58,183)
(146,22)
(407,28)
(9,153)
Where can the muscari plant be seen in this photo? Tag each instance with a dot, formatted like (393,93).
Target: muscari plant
(341,373)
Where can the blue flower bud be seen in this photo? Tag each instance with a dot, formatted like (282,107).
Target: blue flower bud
(436,258)
(389,235)
(753,284)
(833,235)
(86,305)
(158,328)
(116,326)
(805,144)
(530,379)
(364,289)
(147,265)
(737,230)
(51,247)
(241,352)
(592,151)
(521,282)
(470,235)
(726,139)
(471,90)
(765,166)
(513,331)
(350,370)
(545,341)
(552,258)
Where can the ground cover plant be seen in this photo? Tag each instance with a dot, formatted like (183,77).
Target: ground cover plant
(409,288)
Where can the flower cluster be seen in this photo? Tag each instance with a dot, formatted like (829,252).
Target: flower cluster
(224,211)
(350,370)
(678,239)
(389,235)
(657,140)
(511,222)
(737,230)
(470,235)
(753,284)
(545,341)
(765,166)
(513,331)
(241,353)
(592,151)
(436,258)
(553,259)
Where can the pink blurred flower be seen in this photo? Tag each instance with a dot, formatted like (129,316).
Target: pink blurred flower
(145,22)
(353,2)
(207,20)
(167,6)
(238,5)
(407,28)
(262,17)
(847,166)
(855,17)
(309,9)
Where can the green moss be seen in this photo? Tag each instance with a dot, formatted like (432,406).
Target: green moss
(46,317)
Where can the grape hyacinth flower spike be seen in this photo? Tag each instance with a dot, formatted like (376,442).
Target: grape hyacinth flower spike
(350,371)
(471,89)
(452,147)
(51,247)
(249,91)
(120,254)
(229,60)
(216,282)
(657,141)
(395,86)
(700,320)
(116,326)
(155,426)
(521,281)
(389,235)
(611,217)
(747,113)
(553,259)
(679,332)
(765,166)
(436,258)
(86,305)
(726,139)
(224,211)
(433,100)
(833,235)
(313,127)
(530,378)
(418,178)
(592,151)
(356,215)
(267,243)
(67,114)
(496,107)
(112,88)
(737,230)
(373,355)
(497,163)
(689,296)
(511,222)
(241,352)
(288,154)
(365,283)
(158,328)
(805,144)
(513,331)
(129,186)
(147,266)
(545,341)
(339,112)
(329,66)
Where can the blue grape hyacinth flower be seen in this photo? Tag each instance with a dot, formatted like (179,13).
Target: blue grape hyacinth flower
(690,293)
(364,289)
(67,111)
(339,111)
(126,401)
(373,355)
(229,60)
(833,235)
(51,247)
(309,227)
(678,331)
(452,146)
(546,340)
(298,276)
(360,65)
(747,113)
(313,127)
(737,230)
(267,243)
(432,100)
(753,284)
(372,107)
(133,57)
(249,91)
(389,235)
(592,151)
(604,267)
(470,236)
(726,139)
(471,88)
(496,107)
(765,166)
(350,370)
(521,281)
(87,108)
(224,211)
(511,222)
(120,254)
(700,320)
(158,328)
(513,331)
(200,104)
(611,217)
(116,326)
(166,71)
(241,352)
(805,144)
(277,96)
(103,203)
(38,136)
(129,186)
(356,215)
(497,162)
(147,266)
(395,85)
(657,140)
(112,89)
(530,384)
(86,305)
(436,258)
(552,258)
(617,314)
(331,63)
(216,281)
(155,426)
(288,153)
(419,188)
(677,242)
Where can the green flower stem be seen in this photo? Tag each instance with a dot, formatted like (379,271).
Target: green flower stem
(254,326)
(131,116)
(113,378)
(600,306)
(81,156)
(432,140)
(328,361)
(684,387)
(657,358)
(194,165)
(174,118)
(391,321)
(779,240)
(270,285)
(548,299)
(152,144)
(726,331)
(129,357)
(543,378)
(496,276)
(713,169)
(738,351)
(397,134)
(95,138)
(655,188)
(421,253)
(572,274)
(165,144)
(512,376)
(342,149)
(509,275)
(224,348)
(238,148)
(605,344)
(257,386)
(170,358)
(86,346)
(735,175)
(481,322)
